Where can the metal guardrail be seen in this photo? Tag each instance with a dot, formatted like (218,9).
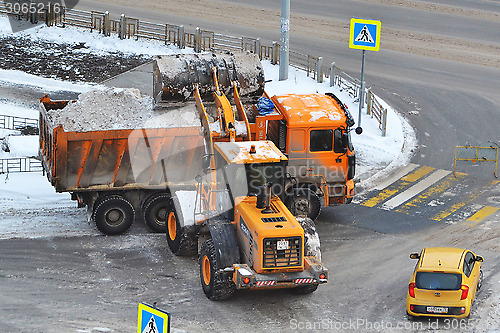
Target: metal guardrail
(14,122)
(477,154)
(205,40)
(376,110)
(24,164)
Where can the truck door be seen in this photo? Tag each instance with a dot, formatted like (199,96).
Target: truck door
(297,152)
(324,154)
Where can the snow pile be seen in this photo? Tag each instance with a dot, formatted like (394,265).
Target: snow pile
(22,145)
(119,108)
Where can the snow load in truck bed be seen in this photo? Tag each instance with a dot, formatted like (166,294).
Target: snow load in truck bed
(120,108)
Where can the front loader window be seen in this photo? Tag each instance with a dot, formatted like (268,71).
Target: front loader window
(262,174)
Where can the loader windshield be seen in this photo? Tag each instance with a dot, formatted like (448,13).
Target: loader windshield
(245,179)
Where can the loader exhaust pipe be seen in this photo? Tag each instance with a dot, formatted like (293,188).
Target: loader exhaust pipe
(264,199)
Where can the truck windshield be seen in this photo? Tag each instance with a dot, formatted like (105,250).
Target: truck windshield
(438,281)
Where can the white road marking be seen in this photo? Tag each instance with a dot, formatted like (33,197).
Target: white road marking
(396,176)
(415,189)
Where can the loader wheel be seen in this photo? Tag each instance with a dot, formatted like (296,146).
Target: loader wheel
(308,289)
(311,238)
(113,215)
(214,286)
(156,210)
(179,241)
(304,204)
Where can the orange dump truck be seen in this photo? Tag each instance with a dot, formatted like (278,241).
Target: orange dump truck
(313,130)
(120,173)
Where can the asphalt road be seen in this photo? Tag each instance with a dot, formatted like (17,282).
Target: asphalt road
(94,283)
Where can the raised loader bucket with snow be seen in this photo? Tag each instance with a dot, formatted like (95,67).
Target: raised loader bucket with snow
(174,76)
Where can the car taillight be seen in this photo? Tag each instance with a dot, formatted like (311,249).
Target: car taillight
(465,291)
(411,290)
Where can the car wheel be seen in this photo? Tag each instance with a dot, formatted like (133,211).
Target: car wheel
(480,281)
(410,317)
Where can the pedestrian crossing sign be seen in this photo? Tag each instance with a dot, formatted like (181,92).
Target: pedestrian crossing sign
(152,320)
(365,34)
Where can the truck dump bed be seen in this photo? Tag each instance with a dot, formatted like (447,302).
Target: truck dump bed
(121,159)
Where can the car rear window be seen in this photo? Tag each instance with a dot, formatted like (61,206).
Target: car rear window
(438,281)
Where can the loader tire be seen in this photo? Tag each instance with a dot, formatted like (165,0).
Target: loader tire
(304,290)
(214,286)
(156,210)
(305,203)
(113,215)
(179,241)
(311,238)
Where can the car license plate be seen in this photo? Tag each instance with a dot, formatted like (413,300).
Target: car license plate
(282,245)
(435,309)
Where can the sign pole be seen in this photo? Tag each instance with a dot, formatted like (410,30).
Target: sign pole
(359,130)
(364,35)
(285,36)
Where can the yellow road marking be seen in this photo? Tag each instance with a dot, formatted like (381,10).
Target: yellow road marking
(433,191)
(457,206)
(406,180)
(481,214)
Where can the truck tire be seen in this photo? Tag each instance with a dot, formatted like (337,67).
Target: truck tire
(304,202)
(156,210)
(311,238)
(308,289)
(214,286)
(180,242)
(113,215)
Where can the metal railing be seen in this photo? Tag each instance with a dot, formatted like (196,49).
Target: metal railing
(477,154)
(24,164)
(376,110)
(204,40)
(14,122)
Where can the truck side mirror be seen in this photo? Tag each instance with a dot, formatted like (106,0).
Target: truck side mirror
(205,163)
(345,142)
(414,256)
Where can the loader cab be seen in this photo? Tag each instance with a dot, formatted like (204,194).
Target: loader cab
(245,167)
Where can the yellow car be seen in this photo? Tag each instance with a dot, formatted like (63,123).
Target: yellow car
(444,282)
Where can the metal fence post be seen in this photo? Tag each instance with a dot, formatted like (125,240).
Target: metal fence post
(197,40)
(257,48)
(369,101)
(33,13)
(106,24)
(332,77)
(319,70)
(121,28)
(181,37)
(384,122)
(275,57)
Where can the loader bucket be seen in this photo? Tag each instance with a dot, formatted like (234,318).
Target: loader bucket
(174,76)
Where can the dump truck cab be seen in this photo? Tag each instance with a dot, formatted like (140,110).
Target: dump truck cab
(313,130)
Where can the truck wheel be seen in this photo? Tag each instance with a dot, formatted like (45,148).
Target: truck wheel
(311,238)
(156,210)
(214,287)
(308,289)
(113,215)
(304,203)
(179,241)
